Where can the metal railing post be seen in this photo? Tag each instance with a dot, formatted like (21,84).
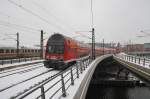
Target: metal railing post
(19,59)
(139,60)
(83,64)
(86,64)
(42,92)
(72,81)
(63,86)
(135,60)
(80,67)
(77,71)
(11,61)
(2,62)
(144,62)
(132,58)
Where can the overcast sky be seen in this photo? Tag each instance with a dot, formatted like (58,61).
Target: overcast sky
(114,20)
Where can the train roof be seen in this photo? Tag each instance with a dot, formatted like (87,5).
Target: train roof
(16,48)
(58,37)
(7,48)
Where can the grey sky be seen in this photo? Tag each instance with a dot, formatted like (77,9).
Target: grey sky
(114,20)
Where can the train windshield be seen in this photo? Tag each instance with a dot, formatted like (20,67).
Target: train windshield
(56,44)
(56,49)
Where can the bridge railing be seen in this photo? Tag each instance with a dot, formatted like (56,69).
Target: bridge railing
(56,84)
(135,59)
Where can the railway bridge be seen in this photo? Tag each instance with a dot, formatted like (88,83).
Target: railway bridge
(76,81)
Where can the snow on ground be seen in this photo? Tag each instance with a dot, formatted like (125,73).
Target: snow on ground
(20,76)
(21,63)
(19,69)
(9,80)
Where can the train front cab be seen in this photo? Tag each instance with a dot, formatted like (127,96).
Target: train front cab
(54,56)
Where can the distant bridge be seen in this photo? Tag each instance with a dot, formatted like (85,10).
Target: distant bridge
(147,53)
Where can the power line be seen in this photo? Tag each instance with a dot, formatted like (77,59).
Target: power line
(16,25)
(92,21)
(34,14)
(85,36)
(15,28)
(50,14)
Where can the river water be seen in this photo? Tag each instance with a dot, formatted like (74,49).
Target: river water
(103,92)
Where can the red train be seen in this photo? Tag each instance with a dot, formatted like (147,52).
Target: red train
(62,51)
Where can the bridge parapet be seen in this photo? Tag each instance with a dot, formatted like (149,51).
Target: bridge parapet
(145,62)
(71,83)
(138,65)
(85,81)
(56,86)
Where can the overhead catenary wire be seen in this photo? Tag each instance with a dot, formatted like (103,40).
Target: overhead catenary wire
(14,28)
(92,19)
(16,25)
(51,15)
(34,14)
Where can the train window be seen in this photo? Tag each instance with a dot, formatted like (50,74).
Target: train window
(7,50)
(1,51)
(23,50)
(12,51)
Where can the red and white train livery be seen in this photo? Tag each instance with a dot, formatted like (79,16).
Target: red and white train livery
(62,51)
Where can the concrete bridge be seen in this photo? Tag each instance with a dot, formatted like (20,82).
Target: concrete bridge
(73,83)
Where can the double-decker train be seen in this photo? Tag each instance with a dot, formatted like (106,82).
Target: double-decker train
(11,53)
(62,51)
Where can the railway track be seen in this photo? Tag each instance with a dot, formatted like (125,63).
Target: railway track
(23,71)
(34,74)
(25,80)
(5,68)
(19,68)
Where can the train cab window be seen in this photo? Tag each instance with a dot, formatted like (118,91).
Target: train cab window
(56,49)
(56,44)
(1,51)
